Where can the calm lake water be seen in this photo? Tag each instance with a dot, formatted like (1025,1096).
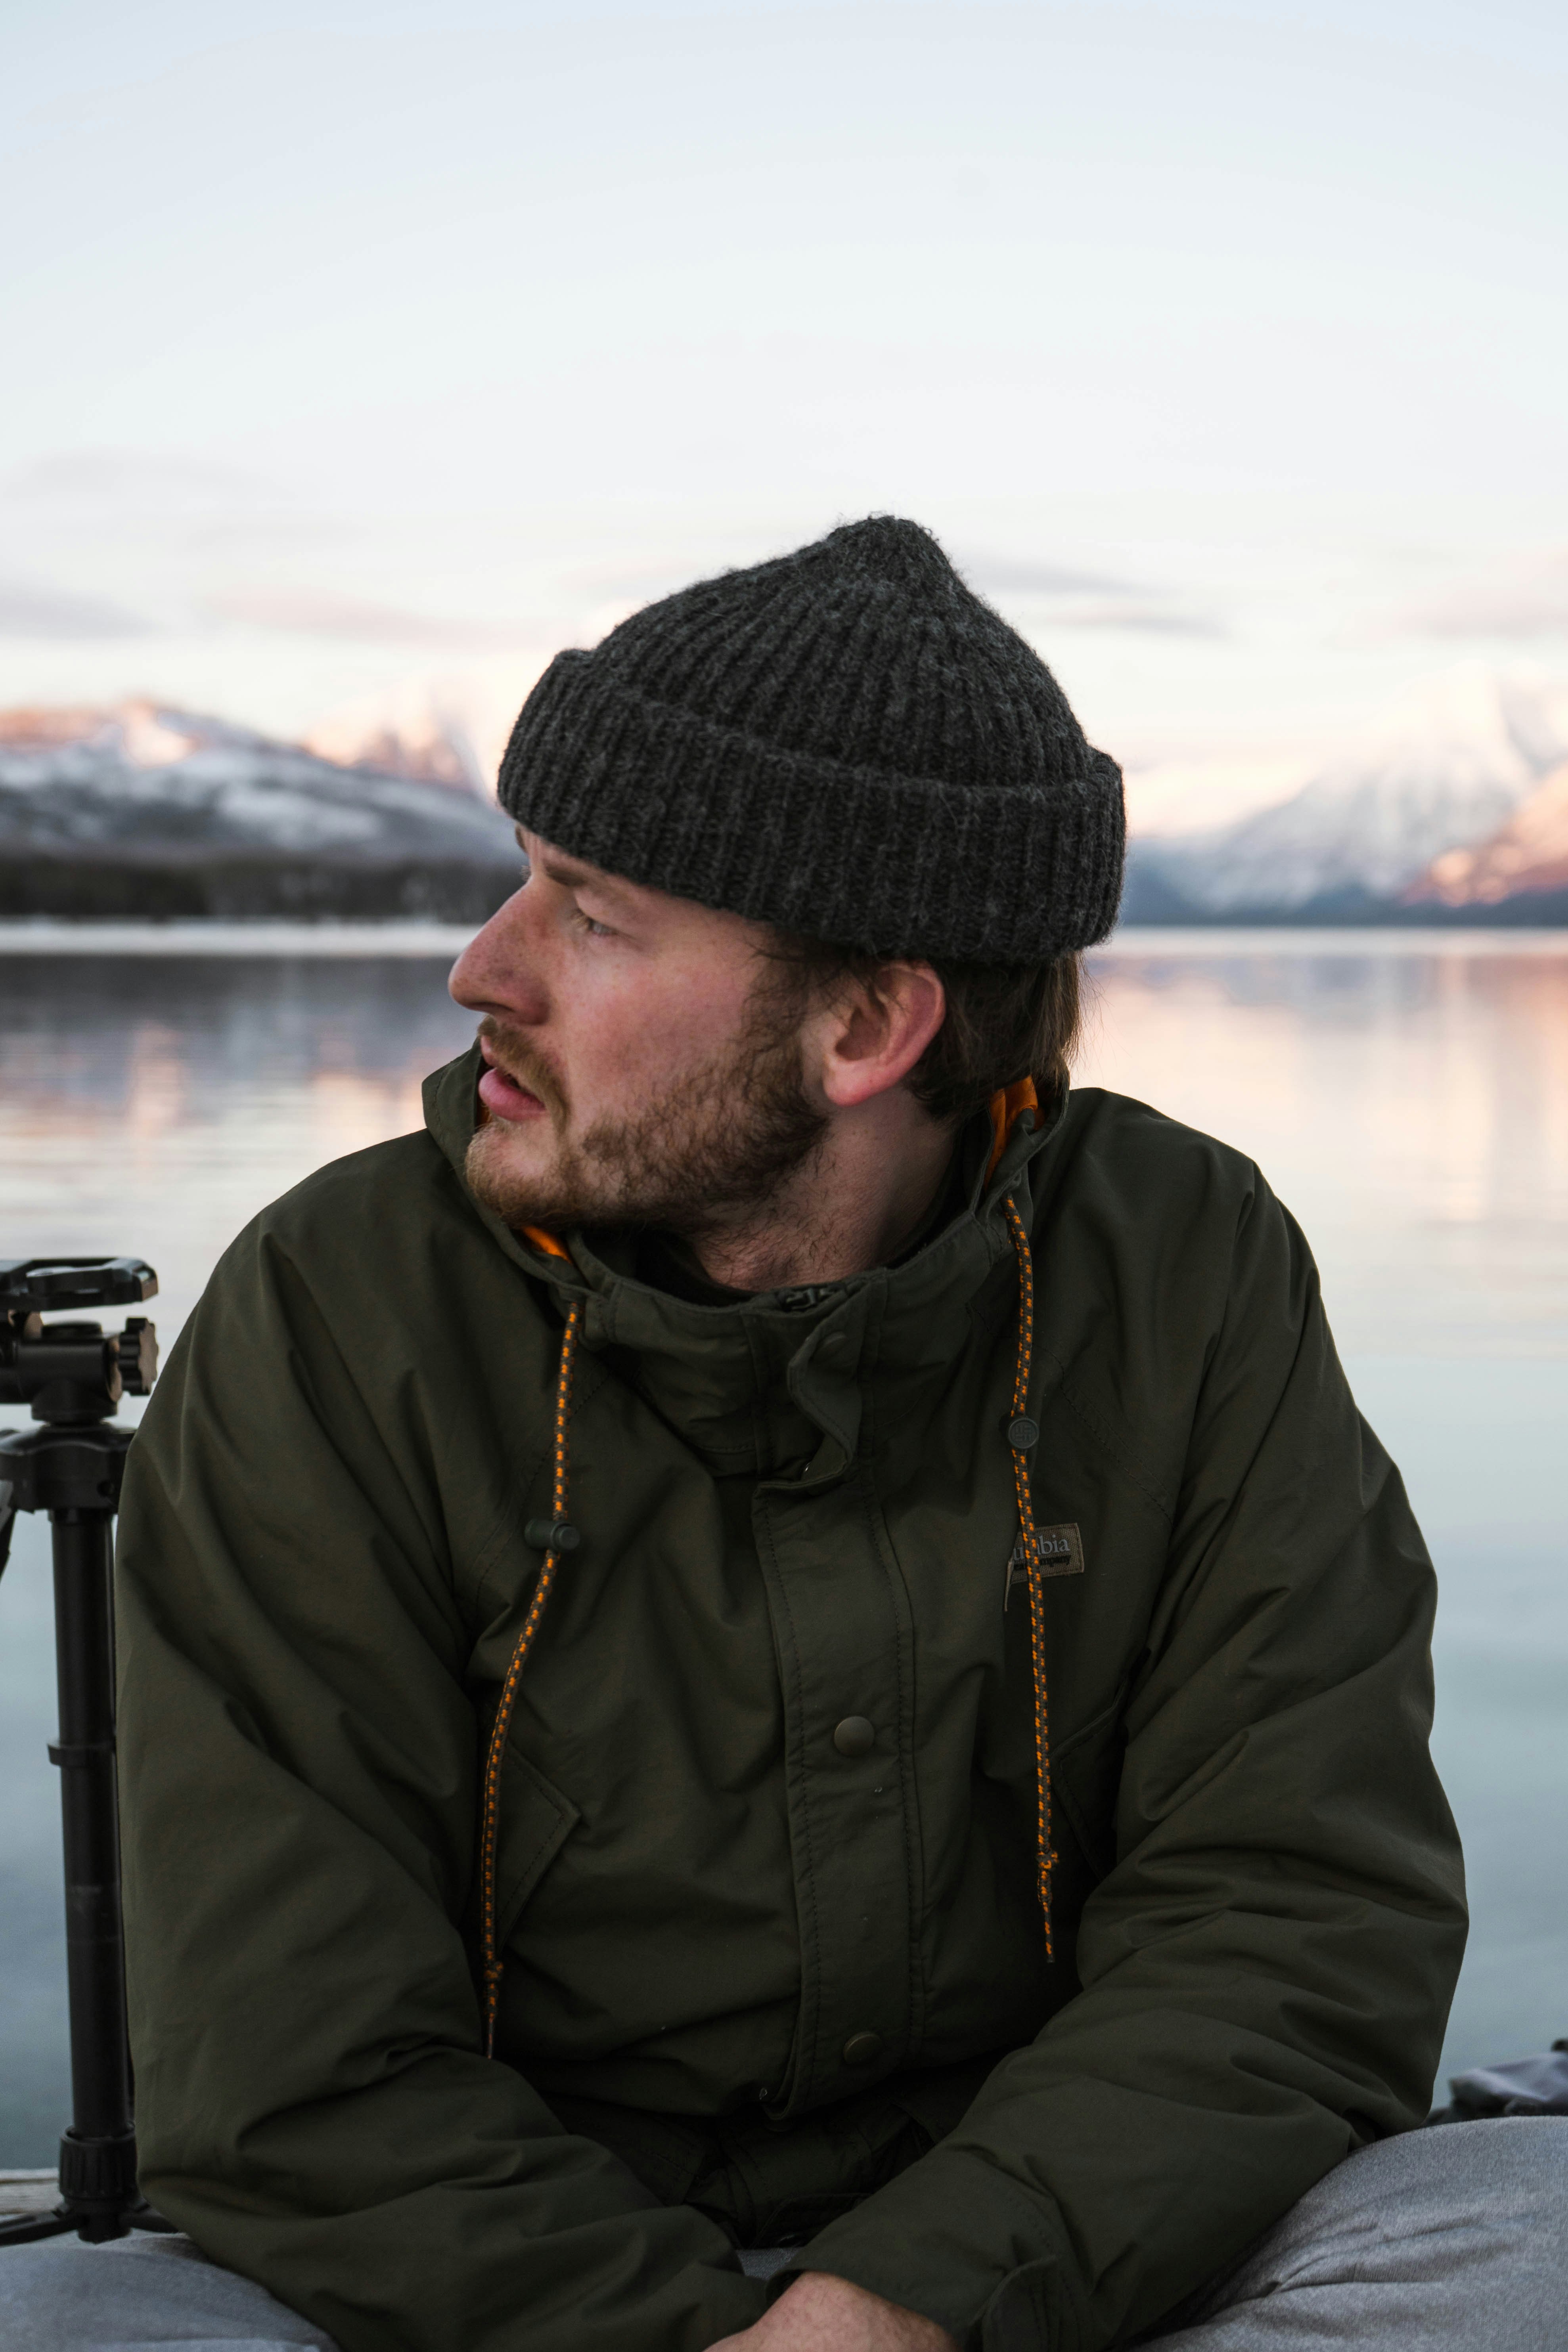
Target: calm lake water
(1409,1101)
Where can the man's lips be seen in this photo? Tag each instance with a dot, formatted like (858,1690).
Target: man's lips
(503,1097)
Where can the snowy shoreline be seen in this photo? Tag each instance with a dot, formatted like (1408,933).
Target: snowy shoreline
(46,936)
(212,936)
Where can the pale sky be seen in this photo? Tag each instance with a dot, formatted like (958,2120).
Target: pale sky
(368,348)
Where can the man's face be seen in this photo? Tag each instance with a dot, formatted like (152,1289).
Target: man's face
(644,1061)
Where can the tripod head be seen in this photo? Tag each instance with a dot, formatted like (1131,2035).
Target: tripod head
(73,1374)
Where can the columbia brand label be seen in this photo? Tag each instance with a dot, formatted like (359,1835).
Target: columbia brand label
(1061,1554)
(1061,1551)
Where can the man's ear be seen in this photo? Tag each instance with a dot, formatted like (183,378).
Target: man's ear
(876,1031)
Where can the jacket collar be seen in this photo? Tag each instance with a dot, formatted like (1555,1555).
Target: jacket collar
(775,1385)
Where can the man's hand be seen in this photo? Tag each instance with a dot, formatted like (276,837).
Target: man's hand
(822,2314)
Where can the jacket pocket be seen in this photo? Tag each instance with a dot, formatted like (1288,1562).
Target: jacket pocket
(536,1820)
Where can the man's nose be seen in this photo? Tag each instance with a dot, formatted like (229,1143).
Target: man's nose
(497,971)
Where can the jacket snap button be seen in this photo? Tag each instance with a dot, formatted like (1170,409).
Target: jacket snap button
(855,1737)
(861,2048)
(1023,1432)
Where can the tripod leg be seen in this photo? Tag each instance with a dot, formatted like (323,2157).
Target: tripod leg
(98,2155)
(28,2231)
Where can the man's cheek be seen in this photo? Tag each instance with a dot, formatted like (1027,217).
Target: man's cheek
(645,1056)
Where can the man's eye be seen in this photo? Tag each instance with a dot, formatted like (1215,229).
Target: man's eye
(588,927)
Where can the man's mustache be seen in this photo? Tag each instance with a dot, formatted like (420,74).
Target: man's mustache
(523,1063)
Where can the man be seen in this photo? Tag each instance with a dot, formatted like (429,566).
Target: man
(778,1640)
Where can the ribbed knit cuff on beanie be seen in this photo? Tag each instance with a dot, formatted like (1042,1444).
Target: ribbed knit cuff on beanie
(844,741)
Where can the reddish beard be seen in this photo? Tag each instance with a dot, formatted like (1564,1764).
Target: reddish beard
(711,1147)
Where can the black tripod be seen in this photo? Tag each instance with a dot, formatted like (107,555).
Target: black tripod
(73,1376)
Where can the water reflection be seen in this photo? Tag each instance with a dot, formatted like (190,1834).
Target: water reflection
(1413,1111)
(155,1107)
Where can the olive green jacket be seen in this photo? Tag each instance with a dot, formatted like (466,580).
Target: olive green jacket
(759,1989)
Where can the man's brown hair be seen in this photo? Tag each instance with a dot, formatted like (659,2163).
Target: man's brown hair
(1004,1021)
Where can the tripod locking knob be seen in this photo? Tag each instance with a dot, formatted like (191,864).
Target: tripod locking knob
(136,1356)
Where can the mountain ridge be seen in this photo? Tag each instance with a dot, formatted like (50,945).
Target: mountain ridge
(143,808)
(1445,770)
(1527,857)
(1453,808)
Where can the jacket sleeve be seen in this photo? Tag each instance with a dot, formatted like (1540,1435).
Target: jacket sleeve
(299,1753)
(1266,1971)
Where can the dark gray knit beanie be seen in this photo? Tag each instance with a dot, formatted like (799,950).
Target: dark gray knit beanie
(844,741)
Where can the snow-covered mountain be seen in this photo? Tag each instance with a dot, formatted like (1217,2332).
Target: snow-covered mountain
(412,733)
(1453,803)
(1526,859)
(146,809)
(1445,769)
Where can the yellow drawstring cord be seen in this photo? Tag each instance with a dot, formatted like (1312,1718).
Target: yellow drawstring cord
(491,1959)
(1022,1439)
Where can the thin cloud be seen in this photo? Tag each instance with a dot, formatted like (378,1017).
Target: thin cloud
(141,480)
(1526,602)
(1066,599)
(315,612)
(29,611)
(1002,576)
(615,585)
(1138,620)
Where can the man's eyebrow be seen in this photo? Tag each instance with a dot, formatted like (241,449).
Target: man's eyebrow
(574,875)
